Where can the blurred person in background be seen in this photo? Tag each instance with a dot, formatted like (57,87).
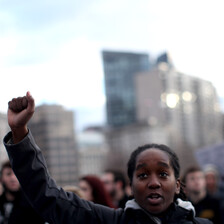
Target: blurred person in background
(14,207)
(206,206)
(213,184)
(115,183)
(212,180)
(93,189)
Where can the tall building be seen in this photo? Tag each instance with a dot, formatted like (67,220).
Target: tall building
(119,70)
(93,150)
(188,105)
(123,140)
(4,128)
(169,107)
(53,130)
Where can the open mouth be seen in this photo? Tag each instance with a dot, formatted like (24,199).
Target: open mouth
(154,198)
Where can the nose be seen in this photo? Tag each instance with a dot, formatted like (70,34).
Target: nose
(154,182)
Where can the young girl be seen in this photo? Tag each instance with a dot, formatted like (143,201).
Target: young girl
(153,171)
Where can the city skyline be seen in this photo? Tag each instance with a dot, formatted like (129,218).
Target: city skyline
(53,49)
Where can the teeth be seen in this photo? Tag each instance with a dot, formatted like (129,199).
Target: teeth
(154,196)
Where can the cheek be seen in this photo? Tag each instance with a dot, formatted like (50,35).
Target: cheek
(137,189)
(88,195)
(171,190)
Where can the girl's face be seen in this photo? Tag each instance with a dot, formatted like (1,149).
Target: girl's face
(86,190)
(154,184)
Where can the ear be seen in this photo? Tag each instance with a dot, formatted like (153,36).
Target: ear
(177,191)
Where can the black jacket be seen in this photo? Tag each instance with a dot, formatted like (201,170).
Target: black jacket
(58,206)
(18,211)
(209,207)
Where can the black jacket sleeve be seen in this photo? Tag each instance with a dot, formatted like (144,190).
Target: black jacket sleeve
(52,202)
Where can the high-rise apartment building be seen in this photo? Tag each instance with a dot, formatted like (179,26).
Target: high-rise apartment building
(170,107)
(53,130)
(119,70)
(188,105)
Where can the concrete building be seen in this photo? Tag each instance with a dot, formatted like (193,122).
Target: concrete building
(123,140)
(188,105)
(4,128)
(53,130)
(170,107)
(119,70)
(93,151)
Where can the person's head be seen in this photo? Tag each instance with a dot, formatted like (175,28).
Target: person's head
(153,171)
(109,183)
(194,180)
(8,179)
(119,179)
(114,180)
(93,190)
(211,178)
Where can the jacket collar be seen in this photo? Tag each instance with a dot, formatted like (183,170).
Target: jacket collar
(133,205)
(184,208)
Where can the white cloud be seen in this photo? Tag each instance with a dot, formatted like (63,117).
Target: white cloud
(73,78)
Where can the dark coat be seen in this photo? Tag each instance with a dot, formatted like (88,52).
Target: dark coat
(209,207)
(21,211)
(58,206)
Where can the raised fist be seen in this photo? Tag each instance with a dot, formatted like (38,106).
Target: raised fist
(18,104)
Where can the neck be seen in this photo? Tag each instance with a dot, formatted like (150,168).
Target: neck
(197,196)
(9,196)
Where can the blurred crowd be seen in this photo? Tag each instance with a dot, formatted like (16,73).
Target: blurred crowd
(109,189)
(202,187)
(204,190)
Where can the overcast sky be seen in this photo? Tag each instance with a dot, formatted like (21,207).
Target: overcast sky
(53,47)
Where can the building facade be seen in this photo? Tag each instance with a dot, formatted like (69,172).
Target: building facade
(124,140)
(119,70)
(188,105)
(53,130)
(170,107)
(93,151)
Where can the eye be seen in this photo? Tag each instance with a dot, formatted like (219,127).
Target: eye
(163,174)
(142,176)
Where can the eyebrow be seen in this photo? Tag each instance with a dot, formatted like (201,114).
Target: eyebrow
(165,165)
(142,165)
(139,166)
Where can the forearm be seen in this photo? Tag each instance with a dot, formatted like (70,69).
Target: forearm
(19,134)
